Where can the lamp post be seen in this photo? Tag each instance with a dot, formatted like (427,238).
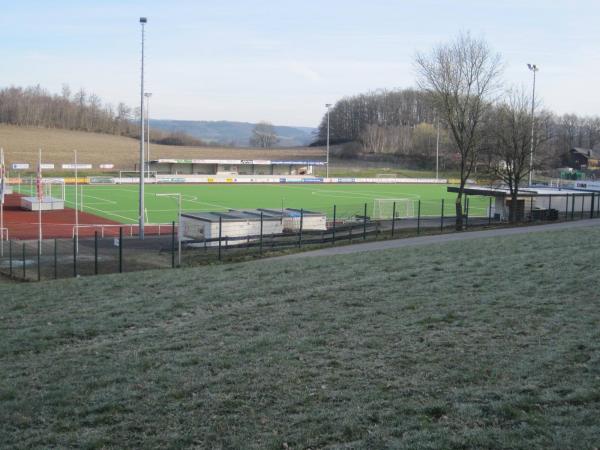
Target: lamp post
(148,95)
(534,69)
(328,106)
(178,196)
(143,22)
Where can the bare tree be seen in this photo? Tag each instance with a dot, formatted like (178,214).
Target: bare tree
(263,135)
(510,143)
(461,77)
(374,139)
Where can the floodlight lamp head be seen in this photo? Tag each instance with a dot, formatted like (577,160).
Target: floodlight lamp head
(143,20)
(147,94)
(532,67)
(327,105)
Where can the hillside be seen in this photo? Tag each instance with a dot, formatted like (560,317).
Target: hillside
(235,133)
(21,145)
(492,343)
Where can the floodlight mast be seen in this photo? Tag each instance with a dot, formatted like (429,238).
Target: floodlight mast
(328,106)
(141,225)
(534,69)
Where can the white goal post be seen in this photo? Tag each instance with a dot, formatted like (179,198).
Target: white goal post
(54,187)
(384,208)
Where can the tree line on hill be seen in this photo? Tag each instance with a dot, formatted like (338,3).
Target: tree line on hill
(402,124)
(82,111)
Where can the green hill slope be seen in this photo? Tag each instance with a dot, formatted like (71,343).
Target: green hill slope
(493,343)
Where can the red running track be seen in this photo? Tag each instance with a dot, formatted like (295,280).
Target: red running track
(23,224)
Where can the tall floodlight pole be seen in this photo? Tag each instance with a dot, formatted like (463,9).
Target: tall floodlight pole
(148,95)
(534,69)
(328,106)
(143,21)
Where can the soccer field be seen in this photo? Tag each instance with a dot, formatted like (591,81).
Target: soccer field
(119,202)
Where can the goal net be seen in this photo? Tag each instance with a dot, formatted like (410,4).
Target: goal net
(384,208)
(54,188)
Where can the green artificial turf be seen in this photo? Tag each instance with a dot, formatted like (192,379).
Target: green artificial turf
(486,344)
(119,202)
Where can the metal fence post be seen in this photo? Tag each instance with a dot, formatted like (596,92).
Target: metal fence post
(261,234)
(573,207)
(419,216)
(393,218)
(365,223)
(567,207)
(24,270)
(10,263)
(490,212)
(120,249)
(39,261)
(55,259)
(442,218)
(220,230)
(74,256)
(95,252)
(592,206)
(301,225)
(466,212)
(549,205)
(582,204)
(531,210)
(173,245)
(334,217)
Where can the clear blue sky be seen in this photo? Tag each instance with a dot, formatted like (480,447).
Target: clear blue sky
(283,60)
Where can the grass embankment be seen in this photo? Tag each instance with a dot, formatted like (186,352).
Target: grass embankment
(21,145)
(370,169)
(491,343)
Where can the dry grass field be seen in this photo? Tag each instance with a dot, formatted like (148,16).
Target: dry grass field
(21,145)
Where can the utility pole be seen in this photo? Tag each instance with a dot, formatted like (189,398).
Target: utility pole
(534,69)
(141,224)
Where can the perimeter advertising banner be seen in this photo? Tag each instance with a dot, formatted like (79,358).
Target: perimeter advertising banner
(77,166)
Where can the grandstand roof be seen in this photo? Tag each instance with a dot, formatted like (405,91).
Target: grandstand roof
(259,162)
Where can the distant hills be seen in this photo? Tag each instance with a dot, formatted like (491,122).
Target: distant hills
(233,133)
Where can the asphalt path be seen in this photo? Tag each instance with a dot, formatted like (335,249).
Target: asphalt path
(440,239)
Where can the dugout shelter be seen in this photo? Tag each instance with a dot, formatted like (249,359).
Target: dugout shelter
(539,202)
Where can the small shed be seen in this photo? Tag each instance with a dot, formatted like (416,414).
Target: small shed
(202,226)
(45,204)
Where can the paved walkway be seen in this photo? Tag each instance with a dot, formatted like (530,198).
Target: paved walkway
(436,239)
